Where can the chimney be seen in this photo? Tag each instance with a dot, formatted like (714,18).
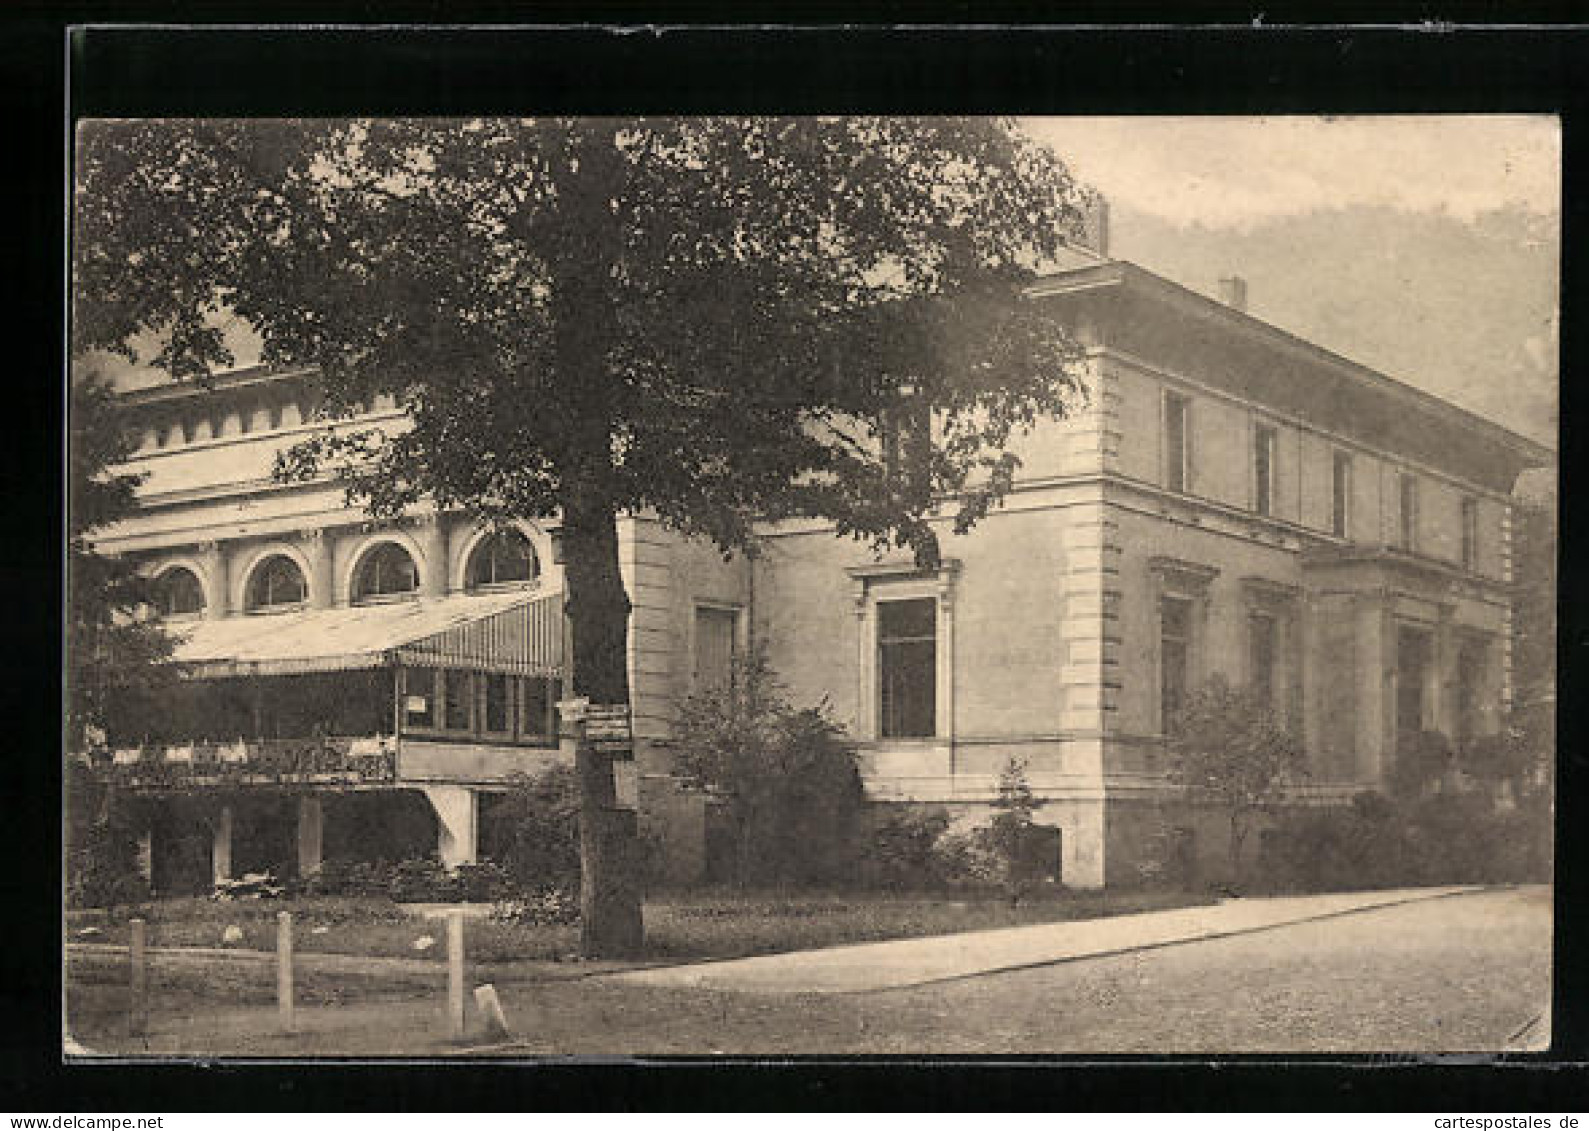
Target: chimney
(1233,292)
(1094,233)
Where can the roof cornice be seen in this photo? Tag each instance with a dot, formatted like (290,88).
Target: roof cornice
(1122,274)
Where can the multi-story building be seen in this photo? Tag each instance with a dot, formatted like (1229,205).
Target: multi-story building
(1230,499)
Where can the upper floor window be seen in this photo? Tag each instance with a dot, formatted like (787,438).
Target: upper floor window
(1263,469)
(178,593)
(1340,493)
(386,571)
(1177,453)
(1470,532)
(276,582)
(1409,513)
(907,668)
(500,559)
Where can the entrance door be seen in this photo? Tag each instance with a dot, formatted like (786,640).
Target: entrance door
(1413,650)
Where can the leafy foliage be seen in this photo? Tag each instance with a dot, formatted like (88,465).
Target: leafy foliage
(1423,759)
(1228,750)
(766,291)
(1008,836)
(786,775)
(113,648)
(710,319)
(539,820)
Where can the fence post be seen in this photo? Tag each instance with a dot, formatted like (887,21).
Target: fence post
(455,1020)
(138,1005)
(284,994)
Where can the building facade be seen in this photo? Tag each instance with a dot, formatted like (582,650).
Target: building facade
(1230,499)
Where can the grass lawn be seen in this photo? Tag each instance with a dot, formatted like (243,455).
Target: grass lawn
(678,926)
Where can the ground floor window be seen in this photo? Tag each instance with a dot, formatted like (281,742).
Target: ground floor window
(1175,642)
(907,668)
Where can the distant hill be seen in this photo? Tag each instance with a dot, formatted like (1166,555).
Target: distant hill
(1467,311)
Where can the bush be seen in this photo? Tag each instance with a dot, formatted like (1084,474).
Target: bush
(551,908)
(785,777)
(1449,838)
(537,823)
(902,848)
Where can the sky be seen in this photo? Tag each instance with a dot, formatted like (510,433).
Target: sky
(1424,246)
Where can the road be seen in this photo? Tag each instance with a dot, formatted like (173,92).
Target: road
(1458,974)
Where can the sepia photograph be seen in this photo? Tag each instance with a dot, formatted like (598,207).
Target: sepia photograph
(764,586)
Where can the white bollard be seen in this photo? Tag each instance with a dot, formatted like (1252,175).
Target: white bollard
(489,1007)
(455,1019)
(138,999)
(284,994)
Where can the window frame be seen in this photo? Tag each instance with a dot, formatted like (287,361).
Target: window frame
(470,585)
(1186,641)
(1176,475)
(1407,511)
(1470,532)
(736,613)
(369,558)
(883,646)
(1341,493)
(162,581)
(891,581)
(1265,455)
(258,570)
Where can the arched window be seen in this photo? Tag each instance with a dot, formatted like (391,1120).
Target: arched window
(500,559)
(385,571)
(276,581)
(178,593)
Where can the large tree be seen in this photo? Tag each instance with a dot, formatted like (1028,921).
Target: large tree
(113,647)
(707,319)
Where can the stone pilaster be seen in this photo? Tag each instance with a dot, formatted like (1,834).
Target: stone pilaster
(218,580)
(433,544)
(322,586)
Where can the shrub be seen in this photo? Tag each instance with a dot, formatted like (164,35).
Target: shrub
(1423,760)
(485,882)
(786,778)
(902,848)
(1228,750)
(422,880)
(538,830)
(550,908)
(1449,838)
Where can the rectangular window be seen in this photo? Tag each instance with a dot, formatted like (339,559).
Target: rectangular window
(454,698)
(1340,493)
(1470,690)
(1409,513)
(1263,469)
(1470,532)
(538,715)
(1262,653)
(1175,646)
(907,668)
(1177,468)
(714,648)
(497,691)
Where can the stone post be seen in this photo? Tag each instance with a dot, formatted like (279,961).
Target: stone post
(456,820)
(221,850)
(311,834)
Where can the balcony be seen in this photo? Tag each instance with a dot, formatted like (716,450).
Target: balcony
(324,762)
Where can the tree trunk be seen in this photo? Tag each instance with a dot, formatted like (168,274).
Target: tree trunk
(584,328)
(611,925)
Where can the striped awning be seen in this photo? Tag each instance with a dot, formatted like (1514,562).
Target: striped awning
(514,633)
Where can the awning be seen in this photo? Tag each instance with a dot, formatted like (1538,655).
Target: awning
(513,633)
